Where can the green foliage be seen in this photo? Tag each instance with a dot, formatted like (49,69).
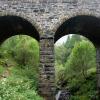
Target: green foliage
(23,49)
(76,65)
(1,69)
(17,89)
(19,60)
(63,51)
(83,89)
(85,54)
(59,70)
(60,54)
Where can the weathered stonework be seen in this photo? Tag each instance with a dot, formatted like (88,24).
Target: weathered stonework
(47,16)
(98,69)
(48,13)
(47,71)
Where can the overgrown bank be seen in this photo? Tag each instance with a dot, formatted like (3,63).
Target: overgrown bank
(19,59)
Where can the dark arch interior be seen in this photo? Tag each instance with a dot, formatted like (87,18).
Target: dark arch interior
(14,25)
(88,26)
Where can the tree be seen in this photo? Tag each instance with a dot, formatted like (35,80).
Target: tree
(60,54)
(23,49)
(82,58)
(63,51)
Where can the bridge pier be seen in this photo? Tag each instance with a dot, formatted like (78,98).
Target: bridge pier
(98,69)
(47,71)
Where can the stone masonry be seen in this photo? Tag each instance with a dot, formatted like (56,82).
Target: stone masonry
(47,16)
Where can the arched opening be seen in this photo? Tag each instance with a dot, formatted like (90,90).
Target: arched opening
(87,26)
(19,58)
(74,57)
(15,25)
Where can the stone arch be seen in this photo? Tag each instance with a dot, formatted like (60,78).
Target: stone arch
(13,24)
(85,25)
(72,14)
(16,24)
(23,15)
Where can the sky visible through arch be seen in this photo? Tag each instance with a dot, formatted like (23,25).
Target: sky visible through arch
(62,40)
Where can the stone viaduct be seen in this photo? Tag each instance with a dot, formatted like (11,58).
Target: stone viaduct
(47,21)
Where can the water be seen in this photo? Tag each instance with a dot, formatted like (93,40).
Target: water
(63,95)
(58,95)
